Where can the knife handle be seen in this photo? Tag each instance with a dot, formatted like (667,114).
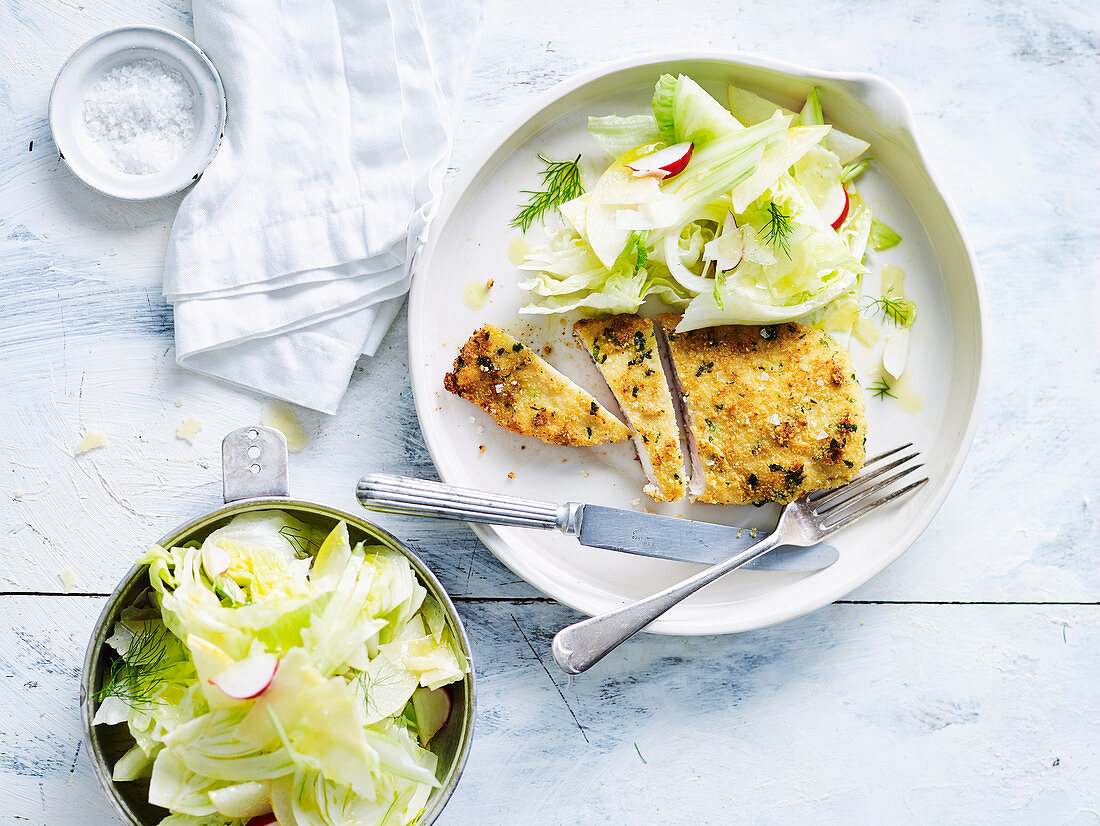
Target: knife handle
(390,493)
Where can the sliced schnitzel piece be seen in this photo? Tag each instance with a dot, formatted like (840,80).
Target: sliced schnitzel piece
(772,412)
(526,395)
(625,351)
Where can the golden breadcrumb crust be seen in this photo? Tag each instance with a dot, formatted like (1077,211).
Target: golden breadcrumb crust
(775,411)
(625,351)
(526,395)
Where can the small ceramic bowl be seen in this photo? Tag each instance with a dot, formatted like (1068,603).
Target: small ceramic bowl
(89,161)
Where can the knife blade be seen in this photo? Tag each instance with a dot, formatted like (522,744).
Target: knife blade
(667,537)
(595,526)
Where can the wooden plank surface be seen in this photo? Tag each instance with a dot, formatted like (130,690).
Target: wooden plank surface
(948,714)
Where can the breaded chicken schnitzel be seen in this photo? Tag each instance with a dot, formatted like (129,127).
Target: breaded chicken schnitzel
(526,395)
(772,412)
(625,351)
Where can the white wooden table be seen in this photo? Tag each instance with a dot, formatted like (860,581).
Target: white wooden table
(960,686)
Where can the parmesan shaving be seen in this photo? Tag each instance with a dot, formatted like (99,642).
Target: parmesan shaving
(68,579)
(92,439)
(188,429)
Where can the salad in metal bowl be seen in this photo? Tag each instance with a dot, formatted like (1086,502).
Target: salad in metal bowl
(263,683)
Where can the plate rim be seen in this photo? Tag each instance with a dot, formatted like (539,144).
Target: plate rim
(903,118)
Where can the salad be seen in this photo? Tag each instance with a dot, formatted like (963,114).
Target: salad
(262,684)
(739,214)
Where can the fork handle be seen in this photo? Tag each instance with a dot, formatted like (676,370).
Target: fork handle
(390,493)
(580,646)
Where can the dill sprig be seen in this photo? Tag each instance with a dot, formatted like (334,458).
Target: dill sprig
(369,682)
(561,182)
(777,232)
(899,310)
(301,541)
(133,677)
(882,389)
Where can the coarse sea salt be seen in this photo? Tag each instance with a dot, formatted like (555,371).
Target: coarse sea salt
(141,116)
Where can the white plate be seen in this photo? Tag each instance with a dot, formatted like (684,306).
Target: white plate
(471,240)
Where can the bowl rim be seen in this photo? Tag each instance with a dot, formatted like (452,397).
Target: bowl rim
(237,506)
(183,42)
(892,106)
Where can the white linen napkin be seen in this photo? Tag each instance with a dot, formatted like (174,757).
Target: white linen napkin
(292,254)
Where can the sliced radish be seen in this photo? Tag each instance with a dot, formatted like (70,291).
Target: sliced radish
(248,678)
(664,163)
(263,820)
(432,710)
(215,559)
(819,172)
(834,205)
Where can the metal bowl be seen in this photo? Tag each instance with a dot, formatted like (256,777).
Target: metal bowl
(243,450)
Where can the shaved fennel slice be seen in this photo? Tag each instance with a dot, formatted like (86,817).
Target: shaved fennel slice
(750,108)
(771,286)
(682,248)
(573,212)
(776,160)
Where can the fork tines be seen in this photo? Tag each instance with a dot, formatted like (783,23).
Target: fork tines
(839,502)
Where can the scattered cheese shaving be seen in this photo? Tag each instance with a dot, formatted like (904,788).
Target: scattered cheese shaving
(773,419)
(188,429)
(866,331)
(893,281)
(91,441)
(179,402)
(68,579)
(279,416)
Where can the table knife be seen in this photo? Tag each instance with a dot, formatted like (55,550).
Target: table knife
(597,526)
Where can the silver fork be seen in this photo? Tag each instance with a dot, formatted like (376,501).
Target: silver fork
(804,522)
